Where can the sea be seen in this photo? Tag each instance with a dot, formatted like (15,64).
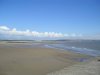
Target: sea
(89,47)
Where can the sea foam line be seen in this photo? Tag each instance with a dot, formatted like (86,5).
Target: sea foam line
(86,51)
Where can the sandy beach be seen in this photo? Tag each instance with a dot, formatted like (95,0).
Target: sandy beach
(87,68)
(15,60)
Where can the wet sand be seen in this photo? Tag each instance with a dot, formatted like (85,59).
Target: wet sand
(36,60)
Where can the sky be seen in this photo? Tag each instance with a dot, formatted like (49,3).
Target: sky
(49,19)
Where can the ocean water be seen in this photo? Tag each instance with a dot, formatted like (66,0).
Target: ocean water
(88,47)
(90,44)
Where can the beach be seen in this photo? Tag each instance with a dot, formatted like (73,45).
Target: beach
(37,60)
(87,68)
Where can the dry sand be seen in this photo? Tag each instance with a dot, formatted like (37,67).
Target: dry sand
(87,68)
(34,61)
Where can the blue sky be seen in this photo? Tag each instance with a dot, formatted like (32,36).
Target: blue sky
(64,16)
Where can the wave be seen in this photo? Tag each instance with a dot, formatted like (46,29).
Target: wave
(86,51)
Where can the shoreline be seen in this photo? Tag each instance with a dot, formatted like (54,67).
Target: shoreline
(85,51)
(32,44)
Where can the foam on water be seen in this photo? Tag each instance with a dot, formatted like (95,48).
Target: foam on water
(75,49)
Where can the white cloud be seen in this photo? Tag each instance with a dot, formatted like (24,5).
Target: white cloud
(14,31)
(4,28)
(34,34)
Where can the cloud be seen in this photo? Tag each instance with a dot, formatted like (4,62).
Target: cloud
(4,28)
(14,31)
(8,33)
